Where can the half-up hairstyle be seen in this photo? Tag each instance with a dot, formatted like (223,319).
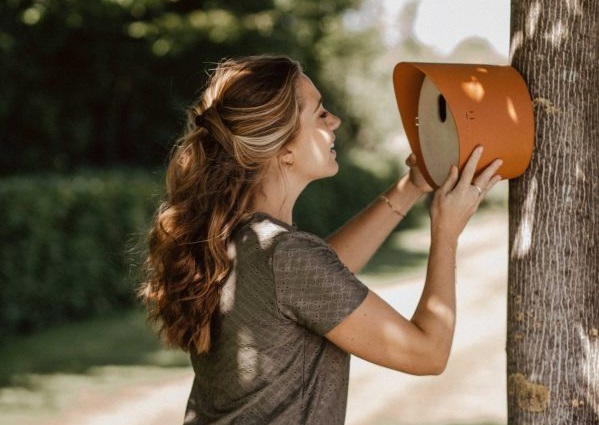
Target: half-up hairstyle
(247,113)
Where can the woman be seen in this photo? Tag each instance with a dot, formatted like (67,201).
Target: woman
(270,314)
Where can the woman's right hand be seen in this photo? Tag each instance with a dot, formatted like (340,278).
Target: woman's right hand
(460,196)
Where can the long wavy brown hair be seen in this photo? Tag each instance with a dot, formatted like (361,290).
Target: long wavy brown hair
(247,113)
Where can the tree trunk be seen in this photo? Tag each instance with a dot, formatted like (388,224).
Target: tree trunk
(553,291)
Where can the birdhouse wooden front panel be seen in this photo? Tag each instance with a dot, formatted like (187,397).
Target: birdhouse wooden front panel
(437,132)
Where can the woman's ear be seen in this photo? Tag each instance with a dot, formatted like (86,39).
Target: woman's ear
(286,157)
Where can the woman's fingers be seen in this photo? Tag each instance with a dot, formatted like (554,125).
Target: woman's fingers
(483,179)
(451,180)
(482,183)
(496,179)
(470,168)
(466,181)
(460,196)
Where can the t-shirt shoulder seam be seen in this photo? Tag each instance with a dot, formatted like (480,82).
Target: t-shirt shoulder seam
(285,237)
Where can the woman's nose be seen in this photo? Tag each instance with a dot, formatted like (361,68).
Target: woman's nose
(335,121)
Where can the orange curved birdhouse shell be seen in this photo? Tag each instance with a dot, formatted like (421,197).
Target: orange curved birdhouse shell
(488,104)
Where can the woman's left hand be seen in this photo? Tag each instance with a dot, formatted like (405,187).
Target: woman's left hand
(416,176)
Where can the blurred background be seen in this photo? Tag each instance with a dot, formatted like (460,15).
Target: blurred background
(93,97)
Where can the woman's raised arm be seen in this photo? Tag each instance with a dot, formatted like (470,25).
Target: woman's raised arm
(421,345)
(357,240)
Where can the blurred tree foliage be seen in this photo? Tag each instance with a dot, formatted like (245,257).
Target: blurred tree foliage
(103,83)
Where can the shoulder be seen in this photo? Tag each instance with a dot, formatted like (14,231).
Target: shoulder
(307,255)
(313,287)
(272,234)
(303,248)
(296,239)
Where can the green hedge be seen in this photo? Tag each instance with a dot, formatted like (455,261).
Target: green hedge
(66,242)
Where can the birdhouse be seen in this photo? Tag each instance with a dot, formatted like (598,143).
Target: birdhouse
(449,109)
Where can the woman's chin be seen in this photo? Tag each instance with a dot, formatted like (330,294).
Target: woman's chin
(335,169)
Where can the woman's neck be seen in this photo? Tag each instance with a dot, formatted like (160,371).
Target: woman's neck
(275,206)
(277,198)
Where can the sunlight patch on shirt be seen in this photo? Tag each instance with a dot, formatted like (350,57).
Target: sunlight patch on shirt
(247,356)
(266,232)
(227,297)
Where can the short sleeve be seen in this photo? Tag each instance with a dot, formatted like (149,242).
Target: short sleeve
(313,287)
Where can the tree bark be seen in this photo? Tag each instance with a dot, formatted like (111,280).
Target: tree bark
(553,279)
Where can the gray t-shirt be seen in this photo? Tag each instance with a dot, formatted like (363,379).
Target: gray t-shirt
(270,363)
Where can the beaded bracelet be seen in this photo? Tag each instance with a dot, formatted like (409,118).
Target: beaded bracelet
(396,211)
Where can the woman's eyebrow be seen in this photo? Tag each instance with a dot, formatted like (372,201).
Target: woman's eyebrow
(318,105)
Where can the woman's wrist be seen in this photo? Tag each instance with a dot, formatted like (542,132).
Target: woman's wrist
(405,188)
(401,196)
(444,236)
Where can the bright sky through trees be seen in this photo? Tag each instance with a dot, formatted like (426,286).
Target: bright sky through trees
(444,23)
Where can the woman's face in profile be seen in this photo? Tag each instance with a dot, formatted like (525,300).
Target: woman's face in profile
(314,156)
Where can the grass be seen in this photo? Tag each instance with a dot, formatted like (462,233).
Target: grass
(43,374)
(120,339)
